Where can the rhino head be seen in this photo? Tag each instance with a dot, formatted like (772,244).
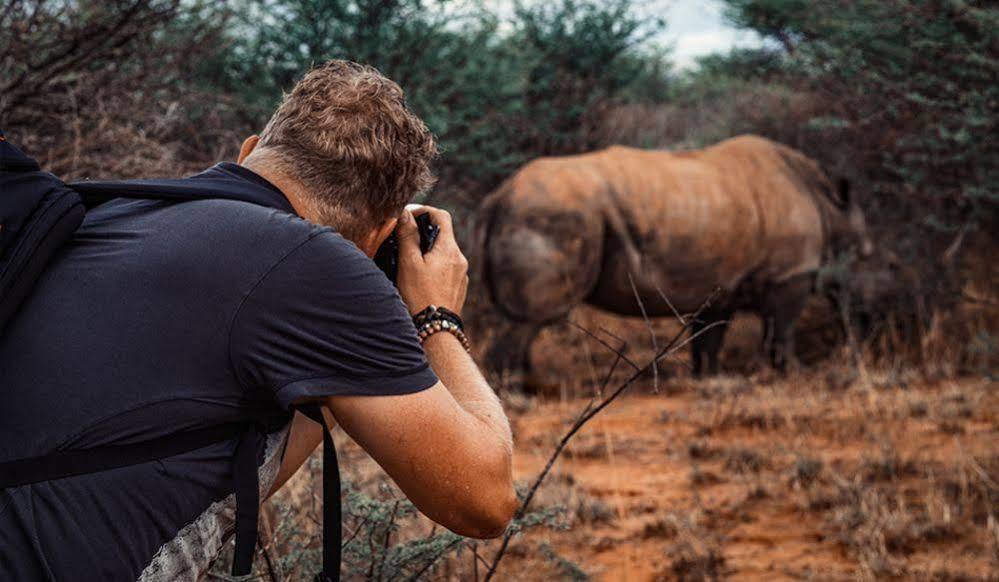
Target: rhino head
(870,287)
(867,280)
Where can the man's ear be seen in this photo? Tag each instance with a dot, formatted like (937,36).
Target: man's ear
(377,236)
(249,144)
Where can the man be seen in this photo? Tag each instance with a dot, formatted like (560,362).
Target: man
(162,317)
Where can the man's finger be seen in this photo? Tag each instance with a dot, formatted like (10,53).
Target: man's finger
(441,218)
(409,238)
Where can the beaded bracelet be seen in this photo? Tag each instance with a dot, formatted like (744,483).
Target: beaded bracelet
(435,313)
(434,319)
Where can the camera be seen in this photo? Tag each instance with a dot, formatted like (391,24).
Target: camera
(387,257)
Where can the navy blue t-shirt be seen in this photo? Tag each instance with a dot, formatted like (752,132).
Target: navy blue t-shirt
(161,317)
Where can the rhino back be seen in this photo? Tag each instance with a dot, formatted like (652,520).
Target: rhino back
(687,223)
(600,226)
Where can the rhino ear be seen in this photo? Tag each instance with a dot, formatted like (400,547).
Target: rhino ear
(845,196)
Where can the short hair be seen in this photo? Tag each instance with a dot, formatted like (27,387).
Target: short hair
(347,136)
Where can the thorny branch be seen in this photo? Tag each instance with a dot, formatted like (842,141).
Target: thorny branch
(589,411)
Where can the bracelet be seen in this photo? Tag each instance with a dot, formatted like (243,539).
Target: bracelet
(434,319)
(434,313)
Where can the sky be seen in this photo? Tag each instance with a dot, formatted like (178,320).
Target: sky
(696,28)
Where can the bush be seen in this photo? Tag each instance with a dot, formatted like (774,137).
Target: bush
(911,86)
(100,88)
(494,96)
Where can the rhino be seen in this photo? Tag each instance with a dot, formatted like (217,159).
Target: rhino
(653,233)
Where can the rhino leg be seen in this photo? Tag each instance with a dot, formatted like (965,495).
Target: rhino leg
(782,307)
(705,348)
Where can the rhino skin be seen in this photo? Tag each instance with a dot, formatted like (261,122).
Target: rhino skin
(749,216)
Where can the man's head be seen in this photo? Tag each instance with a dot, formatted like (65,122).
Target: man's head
(346,151)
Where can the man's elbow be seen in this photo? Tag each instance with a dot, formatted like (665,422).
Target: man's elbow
(491,500)
(489,516)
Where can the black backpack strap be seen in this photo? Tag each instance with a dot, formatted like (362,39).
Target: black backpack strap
(70,463)
(63,464)
(247,489)
(38,214)
(332,511)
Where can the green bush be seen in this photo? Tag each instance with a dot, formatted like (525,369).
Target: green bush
(494,95)
(913,82)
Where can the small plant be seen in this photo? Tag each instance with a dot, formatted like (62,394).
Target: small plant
(743,460)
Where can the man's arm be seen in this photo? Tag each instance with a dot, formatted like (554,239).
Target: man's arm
(449,447)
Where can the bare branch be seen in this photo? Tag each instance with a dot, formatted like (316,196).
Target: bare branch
(590,411)
(678,315)
(605,344)
(652,332)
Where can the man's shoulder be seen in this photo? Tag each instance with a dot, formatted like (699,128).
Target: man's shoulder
(212,240)
(238,220)
(215,226)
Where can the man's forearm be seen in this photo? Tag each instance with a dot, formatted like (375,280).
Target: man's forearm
(458,372)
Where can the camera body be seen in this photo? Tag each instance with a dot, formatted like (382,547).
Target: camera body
(387,257)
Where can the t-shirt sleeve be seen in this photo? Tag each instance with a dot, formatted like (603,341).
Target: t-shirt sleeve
(324,321)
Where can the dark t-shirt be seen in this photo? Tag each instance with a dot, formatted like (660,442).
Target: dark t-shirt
(161,317)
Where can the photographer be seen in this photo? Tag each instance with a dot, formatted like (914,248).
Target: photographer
(161,317)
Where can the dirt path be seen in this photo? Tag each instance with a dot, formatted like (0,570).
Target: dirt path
(812,477)
(732,479)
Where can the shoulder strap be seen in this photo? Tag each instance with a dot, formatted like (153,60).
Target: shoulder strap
(38,213)
(195,188)
(332,510)
(63,464)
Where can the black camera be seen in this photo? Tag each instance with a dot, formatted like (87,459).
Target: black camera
(387,257)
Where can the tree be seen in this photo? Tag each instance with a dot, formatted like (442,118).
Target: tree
(96,88)
(914,81)
(494,98)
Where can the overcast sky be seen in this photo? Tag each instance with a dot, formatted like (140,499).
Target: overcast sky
(697,28)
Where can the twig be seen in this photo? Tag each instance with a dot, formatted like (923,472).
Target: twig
(272,573)
(388,539)
(426,567)
(356,531)
(475,562)
(603,343)
(588,413)
(670,304)
(652,332)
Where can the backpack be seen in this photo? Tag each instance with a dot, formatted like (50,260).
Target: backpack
(38,214)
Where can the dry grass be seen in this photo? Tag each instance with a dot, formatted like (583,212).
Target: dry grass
(749,478)
(796,478)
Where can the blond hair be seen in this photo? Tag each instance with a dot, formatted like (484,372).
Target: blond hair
(346,135)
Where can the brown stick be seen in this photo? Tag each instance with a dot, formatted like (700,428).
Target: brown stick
(589,412)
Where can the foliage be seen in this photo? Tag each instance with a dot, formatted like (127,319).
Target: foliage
(494,95)
(385,537)
(100,87)
(914,80)
(579,56)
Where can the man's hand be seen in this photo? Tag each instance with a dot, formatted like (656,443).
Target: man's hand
(439,277)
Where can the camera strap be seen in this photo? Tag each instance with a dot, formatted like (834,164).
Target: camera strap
(332,511)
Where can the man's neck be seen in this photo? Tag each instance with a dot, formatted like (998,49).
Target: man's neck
(291,189)
(295,193)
